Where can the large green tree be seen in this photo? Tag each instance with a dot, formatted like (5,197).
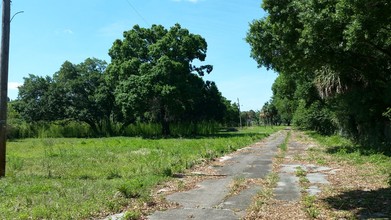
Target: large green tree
(153,76)
(83,93)
(284,97)
(342,48)
(77,92)
(35,100)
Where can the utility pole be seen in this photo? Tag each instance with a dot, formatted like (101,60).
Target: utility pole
(240,118)
(4,59)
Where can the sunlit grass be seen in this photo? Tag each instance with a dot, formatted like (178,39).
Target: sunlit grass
(343,149)
(81,178)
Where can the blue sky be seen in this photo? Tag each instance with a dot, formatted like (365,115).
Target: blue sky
(50,32)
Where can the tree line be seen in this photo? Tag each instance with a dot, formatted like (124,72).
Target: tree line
(334,64)
(152,78)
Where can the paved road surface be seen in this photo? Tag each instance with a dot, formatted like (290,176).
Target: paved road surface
(211,200)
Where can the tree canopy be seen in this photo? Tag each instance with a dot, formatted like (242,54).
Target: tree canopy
(75,92)
(336,54)
(152,78)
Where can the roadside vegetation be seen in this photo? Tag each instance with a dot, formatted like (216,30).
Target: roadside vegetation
(68,178)
(360,186)
(333,63)
(358,181)
(333,60)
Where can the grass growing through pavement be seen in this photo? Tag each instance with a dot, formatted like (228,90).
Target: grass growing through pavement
(84,178)
(284,145)
(265,196)
(361,187)
(341,149)
(237,185)
(308,201)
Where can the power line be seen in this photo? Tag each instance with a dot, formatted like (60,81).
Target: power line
(134,9)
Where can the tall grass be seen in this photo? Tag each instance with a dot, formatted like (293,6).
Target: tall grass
(23,129)
(61,129)
(68,178)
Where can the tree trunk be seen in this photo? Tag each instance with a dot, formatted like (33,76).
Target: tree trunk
(165,124)
(94,128)
(165,128)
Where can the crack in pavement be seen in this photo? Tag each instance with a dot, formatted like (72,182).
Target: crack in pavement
(211,199)
(288,187)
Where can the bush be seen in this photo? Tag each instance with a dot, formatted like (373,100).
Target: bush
(314,117)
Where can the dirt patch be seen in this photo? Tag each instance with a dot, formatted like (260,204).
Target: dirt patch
(352,192)
(276,209)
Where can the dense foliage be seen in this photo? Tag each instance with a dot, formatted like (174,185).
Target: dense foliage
(151,79)
(334,64)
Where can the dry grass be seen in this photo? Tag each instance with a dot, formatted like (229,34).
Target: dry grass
(356,190)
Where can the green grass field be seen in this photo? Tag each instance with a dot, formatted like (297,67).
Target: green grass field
(84,178)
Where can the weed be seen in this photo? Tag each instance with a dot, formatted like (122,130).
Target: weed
(284,145)
(47,164)
(181,185)
(131,215)
(302,174)
(309,206)
(167,172)
(114,174)
(266,194)
(210,154)
(237,185)
(15,163)
(128,191)
(321,161)
(272,179)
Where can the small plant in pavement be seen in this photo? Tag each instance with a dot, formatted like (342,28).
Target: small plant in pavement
(310,207)
(302,174)
(238,184)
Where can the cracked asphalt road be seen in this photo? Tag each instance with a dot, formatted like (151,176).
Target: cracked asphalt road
(211,199)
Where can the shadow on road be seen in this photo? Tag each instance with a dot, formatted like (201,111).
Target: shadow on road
(365,204)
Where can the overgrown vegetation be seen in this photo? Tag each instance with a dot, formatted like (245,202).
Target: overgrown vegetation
(19,129)
(151,83)
(265,195)
(344,149)
(333,60)
(361,186)
(309,203)
(60,178)
(284,145)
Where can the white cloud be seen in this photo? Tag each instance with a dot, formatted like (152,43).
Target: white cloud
(13,85)
(64,32)
(67,31)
